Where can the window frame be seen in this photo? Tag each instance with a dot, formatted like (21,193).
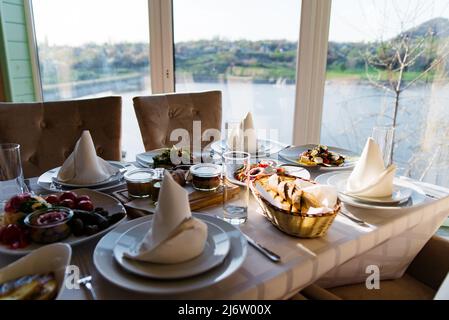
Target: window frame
(310,70)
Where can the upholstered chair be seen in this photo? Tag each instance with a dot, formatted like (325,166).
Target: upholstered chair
(426,278)
(47,132)
(158,115)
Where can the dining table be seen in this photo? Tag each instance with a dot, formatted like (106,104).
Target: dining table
(388,239)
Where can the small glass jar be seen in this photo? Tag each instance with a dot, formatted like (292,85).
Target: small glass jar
(140,182)
(205,176)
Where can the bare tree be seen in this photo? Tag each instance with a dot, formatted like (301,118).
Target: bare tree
(387,63)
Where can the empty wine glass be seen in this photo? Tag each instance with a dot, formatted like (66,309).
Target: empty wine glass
(11,174)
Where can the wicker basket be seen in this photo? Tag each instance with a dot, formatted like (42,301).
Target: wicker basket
(299,225)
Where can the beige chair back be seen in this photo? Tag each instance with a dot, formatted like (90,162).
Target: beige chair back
(159,115)
(47,132)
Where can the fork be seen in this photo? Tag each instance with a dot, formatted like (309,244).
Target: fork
(87,283)
(354,219)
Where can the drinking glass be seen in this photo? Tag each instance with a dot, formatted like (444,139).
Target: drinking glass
(235,210)
(384,137)
(234,135)
(11,175)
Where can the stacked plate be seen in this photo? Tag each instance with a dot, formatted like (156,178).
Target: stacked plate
(405,194)
(49,180)
(224,253)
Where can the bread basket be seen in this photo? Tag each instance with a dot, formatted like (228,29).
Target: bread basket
(301,225)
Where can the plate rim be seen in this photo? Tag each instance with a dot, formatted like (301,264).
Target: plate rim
(188,288)
(187,275)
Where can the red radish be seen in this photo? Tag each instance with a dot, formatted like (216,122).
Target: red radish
(82,198)
(85,205)
(68,195)
(68,203)
(52,199)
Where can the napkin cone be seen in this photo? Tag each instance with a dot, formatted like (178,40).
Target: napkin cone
(175,236)
(244,138)
(370,178)
(83,166)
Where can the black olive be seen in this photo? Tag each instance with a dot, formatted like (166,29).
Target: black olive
(91,229)
(115,218)
(77,227)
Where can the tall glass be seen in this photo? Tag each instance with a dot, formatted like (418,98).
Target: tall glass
(384,137)
(11,175)
(235,209)
(234,135)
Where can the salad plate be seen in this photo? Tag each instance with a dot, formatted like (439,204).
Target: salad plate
(106,265)
(292,156)
(417,197)
(216,248)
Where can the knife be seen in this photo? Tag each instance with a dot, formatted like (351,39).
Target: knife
(269,254)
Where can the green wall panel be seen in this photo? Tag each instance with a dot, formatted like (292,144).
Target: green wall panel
(15,57)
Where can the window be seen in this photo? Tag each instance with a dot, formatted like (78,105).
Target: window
(247,49)
(381,52)
(95,48)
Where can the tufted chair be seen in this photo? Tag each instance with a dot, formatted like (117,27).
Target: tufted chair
(47,131)
(158,115)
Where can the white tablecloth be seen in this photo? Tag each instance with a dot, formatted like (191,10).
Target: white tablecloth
(391,242)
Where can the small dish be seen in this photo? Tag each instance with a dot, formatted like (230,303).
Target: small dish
(49,225)
(50,258)
(140,182)
(205,176)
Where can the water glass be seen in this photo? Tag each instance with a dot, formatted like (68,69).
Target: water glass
(11,175)
(384,137)
(234,135)
(235,210)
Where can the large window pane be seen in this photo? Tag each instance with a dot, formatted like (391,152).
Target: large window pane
(387,65)
(94,48)
(247,49)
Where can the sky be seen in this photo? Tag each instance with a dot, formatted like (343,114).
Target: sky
(74,22)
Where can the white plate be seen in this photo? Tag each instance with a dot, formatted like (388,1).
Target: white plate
(291,170)
(99,200)
(291,155)
(48,180)
(417,198)
(50,258)
(105,263)
(265,147)
(216,248)
(146,158)
(400,193)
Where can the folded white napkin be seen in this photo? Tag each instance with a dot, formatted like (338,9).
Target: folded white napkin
(175,236)
(83,166)
(244,138)
(369,177)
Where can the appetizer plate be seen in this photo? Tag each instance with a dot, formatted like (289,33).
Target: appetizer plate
(216,248)
(106,265)
(146,159)
(50,258)
(99,200)
(400,193)
(291,155)
(291,170)
(417,198)
(49,181)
